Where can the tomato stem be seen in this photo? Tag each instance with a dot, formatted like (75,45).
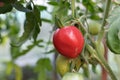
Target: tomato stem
(105,65)
(58,22)
(101,60)
(106,13)
(73,8)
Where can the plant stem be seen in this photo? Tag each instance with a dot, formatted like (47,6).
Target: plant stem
(100,37)
(58,22)
(101,60)
(106,13)
(104,73)
(73,8)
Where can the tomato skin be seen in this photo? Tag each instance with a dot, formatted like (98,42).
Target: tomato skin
(62,65)
(94,27)
(68,41)
(72,76)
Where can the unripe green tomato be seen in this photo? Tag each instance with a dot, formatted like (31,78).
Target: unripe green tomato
(72,76)
(93,27)
(62,64)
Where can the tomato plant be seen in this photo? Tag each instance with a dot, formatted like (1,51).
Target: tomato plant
(68,41)
(79,27)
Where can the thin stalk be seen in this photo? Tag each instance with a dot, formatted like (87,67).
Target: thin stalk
(104,73)
(58,22)
(73,8)
(106,13)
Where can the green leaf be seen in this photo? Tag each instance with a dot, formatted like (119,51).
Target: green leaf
(37,15)
(20,7)
(41,7)
(63,9)
(37,23)
(36,32)
(46,20)
(31,26)
(43,64)
(23,51)
(113,40)
(51,51)
(28,32)
(53,3)
(89,5)
(16,50)
(6,8)
(92,8)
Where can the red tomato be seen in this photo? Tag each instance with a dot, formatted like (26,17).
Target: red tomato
(68,41)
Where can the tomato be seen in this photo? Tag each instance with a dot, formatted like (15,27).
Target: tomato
(68,41)
(72,76)
(93,27)
(62,64)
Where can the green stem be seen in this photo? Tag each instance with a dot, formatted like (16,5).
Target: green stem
(106,13)
(73,8)
(102,61)
(99,57)
(86,60)
(58,22)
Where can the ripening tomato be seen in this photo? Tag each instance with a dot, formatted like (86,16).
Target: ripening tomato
(68,41)
(62,65)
